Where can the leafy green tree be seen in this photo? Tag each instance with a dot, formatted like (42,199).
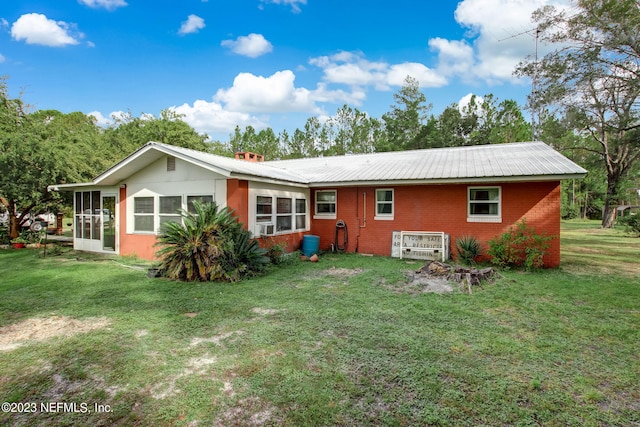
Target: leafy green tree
(40,149)
(129,133)
(594,73)
(403,124)
(351,132)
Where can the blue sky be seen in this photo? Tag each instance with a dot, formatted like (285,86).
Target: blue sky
(263,63)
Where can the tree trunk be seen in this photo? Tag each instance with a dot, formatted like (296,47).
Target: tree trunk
(610,201)
(14,225)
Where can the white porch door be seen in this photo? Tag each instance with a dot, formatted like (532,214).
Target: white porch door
(94,224)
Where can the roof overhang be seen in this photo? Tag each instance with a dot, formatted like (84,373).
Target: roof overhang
(479,180)
(146,155)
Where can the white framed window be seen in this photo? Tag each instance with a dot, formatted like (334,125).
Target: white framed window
(484,204)
(170,207)
(301,214)
(200,199)
(285,213)
(143,214)
(264,209)
(150,212)
(326,204)
(384,204)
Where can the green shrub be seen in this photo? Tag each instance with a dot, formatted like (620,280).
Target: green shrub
(468,249)
(631,224)
(209,244)
(4,235)
(275,251)
(520,246)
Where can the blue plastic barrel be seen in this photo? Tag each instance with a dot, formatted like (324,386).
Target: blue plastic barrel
(310,245)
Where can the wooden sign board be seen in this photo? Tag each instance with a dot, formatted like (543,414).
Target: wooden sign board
(424,245)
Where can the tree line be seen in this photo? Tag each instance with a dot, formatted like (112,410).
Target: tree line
(585,102)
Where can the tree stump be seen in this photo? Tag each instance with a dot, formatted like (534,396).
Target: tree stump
(469,276)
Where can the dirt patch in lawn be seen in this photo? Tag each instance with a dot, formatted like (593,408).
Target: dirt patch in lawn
(343,272)
(42,329)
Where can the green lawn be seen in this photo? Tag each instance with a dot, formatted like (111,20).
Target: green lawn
(331,343)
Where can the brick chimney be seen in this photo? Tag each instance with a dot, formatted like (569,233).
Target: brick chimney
(249,157)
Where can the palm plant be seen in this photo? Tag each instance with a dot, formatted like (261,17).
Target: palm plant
(209,244)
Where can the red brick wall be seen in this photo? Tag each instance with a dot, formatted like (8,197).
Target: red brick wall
(440,208)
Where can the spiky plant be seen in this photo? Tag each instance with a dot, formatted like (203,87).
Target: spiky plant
(468,249)
(209,244)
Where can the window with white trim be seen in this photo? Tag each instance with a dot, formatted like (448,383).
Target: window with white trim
(484,204)
(170,209)
(284,212)
(326,203)
(150,212)
(301,214)
(143,214)
(384,203)
(200,199)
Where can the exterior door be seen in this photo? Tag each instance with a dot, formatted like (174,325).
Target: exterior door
(108,222)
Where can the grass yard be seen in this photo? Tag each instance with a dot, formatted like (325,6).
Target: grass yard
(339,342)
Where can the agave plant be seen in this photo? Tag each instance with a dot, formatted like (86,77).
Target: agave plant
(209,244)
(468,249)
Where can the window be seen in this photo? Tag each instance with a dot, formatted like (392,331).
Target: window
(284,210)
(264,209)
(384,204)
(326,203)
(484,204)
(170,209)
(301,214)
(88,219)
(286,213)
(199,199)
(143,214)
(150,212)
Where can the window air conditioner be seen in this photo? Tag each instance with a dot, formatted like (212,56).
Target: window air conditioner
(265,230)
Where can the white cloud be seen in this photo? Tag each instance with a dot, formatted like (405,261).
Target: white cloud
(502,35)
(425,76)
(454,57)
(276,93)
(295,8)
(253,45)
(193,24)
(211,117)
(107,4)
(2,58)
(355,70)
(35,28)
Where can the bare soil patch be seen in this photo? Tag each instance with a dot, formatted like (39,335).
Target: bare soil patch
(343,272)
(42,329)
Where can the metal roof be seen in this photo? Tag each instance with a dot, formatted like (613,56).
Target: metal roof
(481,163)
(504,162)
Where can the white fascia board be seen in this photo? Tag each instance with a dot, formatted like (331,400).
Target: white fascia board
(489,179)
(255,178)
(161,149)
(69,187)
